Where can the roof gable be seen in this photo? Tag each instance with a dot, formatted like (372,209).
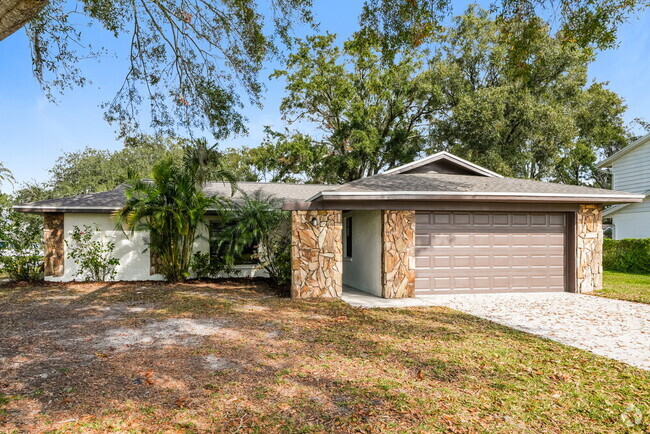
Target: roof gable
(645,140)
(443,163)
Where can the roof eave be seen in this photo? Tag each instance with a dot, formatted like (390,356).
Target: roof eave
(614,209)
(36,209)
(632,146)
(479,196)
(440,155)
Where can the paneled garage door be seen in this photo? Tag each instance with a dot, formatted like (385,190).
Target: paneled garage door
(457,252)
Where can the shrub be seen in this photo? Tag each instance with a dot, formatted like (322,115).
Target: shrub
(276,257)
(204,265)
(628,255)
(171,206)
(94,258)
(26,268)
(257,221)
(21,246)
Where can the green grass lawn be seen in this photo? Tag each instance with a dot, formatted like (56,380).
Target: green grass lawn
(281,365)
(626,286)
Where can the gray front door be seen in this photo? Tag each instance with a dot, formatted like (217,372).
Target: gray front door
(477,252)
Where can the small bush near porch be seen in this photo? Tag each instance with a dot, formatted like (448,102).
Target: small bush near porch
(233,356)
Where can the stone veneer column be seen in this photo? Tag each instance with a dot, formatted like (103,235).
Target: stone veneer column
(589,255)
(398,253)
(54,244)
(316,254)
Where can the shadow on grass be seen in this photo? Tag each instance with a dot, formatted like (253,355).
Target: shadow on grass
(293,364)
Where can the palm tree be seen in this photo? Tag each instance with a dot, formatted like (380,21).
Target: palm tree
(6,175)
(259,222)
(172,205)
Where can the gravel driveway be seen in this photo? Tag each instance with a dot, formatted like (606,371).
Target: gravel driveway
(612,328)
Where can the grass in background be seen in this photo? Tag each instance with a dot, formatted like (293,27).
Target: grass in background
(626,286)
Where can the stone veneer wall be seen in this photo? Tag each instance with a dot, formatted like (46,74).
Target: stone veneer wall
(398,254)
(53,236)
(589,255)
(316,254)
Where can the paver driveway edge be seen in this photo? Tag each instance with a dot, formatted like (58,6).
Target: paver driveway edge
(612,328)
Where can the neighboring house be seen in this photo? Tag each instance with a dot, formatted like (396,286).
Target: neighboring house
(630,169)
(438,225)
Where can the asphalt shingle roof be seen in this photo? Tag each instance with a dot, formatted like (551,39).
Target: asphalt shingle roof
(435,182)
(394,185)
(114,199)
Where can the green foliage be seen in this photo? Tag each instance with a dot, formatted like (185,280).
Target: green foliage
(586,23)
(204,265)
(93,257)
(240,164)
(276,257)
(535,117)
(628,255)
(21,256)
(371,112)
(92,170)
(185,61)
(171,206)
(531,116)
(257,221)
(5,174)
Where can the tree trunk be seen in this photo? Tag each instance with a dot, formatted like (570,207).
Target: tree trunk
(14,14)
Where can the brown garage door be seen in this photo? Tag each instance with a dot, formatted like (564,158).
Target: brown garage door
(457,252)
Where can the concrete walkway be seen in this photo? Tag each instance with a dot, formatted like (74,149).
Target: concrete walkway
(612,328)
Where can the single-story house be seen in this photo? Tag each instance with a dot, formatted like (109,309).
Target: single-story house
(630,170)
(437,225)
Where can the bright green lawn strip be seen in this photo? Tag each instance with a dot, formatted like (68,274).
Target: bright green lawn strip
(626,286)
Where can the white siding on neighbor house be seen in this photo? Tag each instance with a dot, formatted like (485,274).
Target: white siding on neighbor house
(631,172)
(363,269)
(131,250)
(633,221)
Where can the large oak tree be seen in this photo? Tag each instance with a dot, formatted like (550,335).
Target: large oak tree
(368,113)
(535,116)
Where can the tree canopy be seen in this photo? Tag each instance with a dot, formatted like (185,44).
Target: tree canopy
(586,23)
(186,60)
(369,114)
(536,116)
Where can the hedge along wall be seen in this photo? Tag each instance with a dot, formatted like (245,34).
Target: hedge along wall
(629,255)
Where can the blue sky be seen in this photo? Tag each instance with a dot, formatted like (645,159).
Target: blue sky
(35,131)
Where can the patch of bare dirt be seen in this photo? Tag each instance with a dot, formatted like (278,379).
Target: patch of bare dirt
(70,346)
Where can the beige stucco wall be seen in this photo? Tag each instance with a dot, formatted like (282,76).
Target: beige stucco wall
(363,270)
